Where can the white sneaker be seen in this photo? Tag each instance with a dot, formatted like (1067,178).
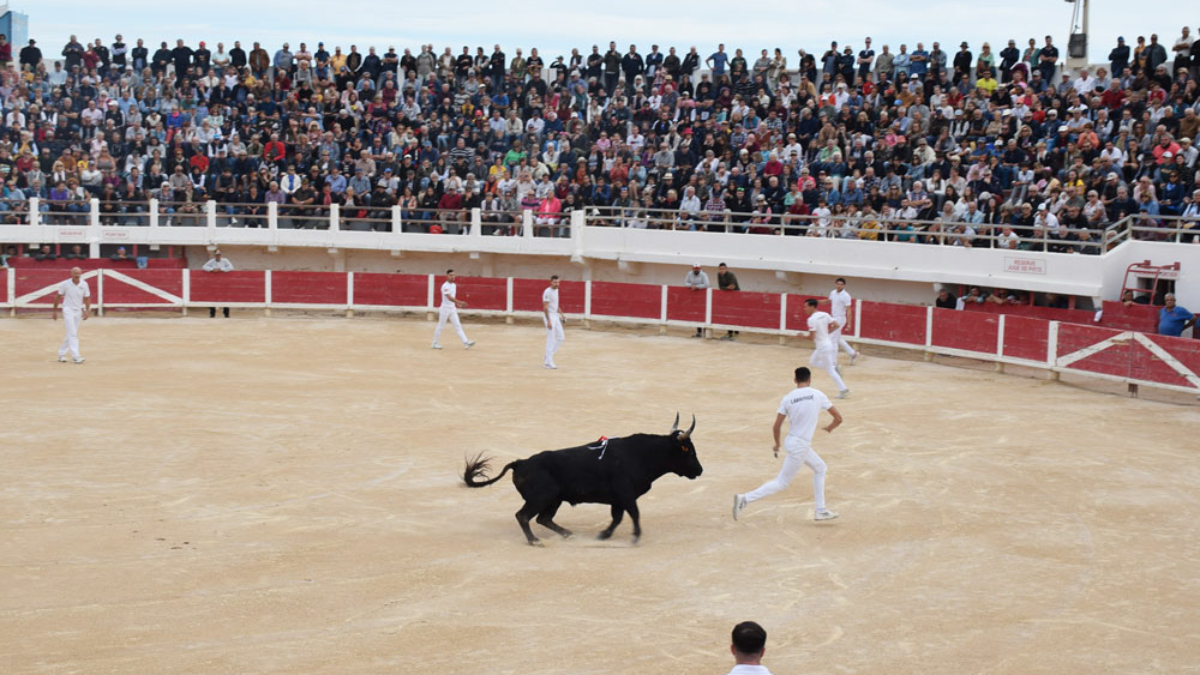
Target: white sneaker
(469,343)
(739,503)
(845,393)
(78,360)
(62,359)
(551,366)
(825,514)
(853,358)
(436,346)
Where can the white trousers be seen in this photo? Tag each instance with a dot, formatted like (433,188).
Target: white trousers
(71,342)
(837,339)
(554,337)
(825,358)
(449,312)
(798,454)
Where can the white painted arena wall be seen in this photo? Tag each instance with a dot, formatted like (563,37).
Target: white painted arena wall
(881,271)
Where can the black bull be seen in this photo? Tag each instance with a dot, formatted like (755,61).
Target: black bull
(615,472)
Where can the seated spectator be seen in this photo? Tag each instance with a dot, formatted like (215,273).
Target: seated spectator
(76,253)
(45,253)
(121,254)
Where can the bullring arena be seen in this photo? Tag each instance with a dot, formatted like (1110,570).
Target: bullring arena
(271,495)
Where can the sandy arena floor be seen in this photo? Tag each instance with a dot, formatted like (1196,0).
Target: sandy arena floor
(282,495)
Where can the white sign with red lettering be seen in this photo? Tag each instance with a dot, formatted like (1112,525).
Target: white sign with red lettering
(68,233)
(1024,265)
(115,235)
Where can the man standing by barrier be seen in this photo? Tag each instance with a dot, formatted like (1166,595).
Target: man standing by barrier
(839,304)
(727,281)
(825,350)
(554,322)
(449,310)
(1173,319)
(801,407)
(221,265)
(76,300)
(697,280)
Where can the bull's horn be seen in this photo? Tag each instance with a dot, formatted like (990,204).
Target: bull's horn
(675,426)
(690,429)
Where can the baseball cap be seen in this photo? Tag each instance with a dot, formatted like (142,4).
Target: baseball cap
(695,266)
(1113,176)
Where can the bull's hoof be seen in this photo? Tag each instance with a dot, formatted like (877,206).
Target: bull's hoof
(604,535)
(635,540)
(568,535)
(536,542)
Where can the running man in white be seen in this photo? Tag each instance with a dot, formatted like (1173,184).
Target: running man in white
(449,310)
(76,300)
(801,408)
(839,304)
(554,322)
(824,354)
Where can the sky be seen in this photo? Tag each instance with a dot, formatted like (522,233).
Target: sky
(555,27)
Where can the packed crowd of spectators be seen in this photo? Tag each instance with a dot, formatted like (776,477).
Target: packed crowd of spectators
(912,144)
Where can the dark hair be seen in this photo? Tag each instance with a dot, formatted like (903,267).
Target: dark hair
(812,302)
(803,374)
(748,636)
(553,277)
(722,265)
(449,271)
(841,279)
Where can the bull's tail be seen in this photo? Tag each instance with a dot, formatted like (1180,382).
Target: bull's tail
(477,468)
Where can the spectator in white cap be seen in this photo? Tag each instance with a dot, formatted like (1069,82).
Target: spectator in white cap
(697,280)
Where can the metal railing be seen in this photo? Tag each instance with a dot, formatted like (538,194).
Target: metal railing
(874,227)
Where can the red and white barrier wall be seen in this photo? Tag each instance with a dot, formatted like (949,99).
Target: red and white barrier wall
(1058,346)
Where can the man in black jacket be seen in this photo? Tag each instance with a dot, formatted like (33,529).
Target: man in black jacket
(31,56)
(140,57)
(1119,58)
(237,56)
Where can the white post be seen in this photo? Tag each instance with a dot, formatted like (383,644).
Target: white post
(429,299)
(662,306)
(928,333)
(587,297)
(100,292)
(153,216)
(1052,350)
(508,299)
(782,315)
(93,228)
(857,318)
(708,295)
(187,288)
(267,292)
(476,230)
(12,287)
(335,218)
(527,223)
(1000,338)
(210,215)
(35,214)
(273,215)
(397,226)
(349,294)
(577,231)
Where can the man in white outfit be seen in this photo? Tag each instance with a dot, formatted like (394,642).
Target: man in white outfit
(449,310)
(217,264)
(749,645)
(824,354)
(839,306)
(76,300)
(801,407)
(554,322)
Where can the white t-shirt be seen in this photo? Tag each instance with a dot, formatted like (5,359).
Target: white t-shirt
(73,294)
(802,407)
(449,290)
(550,295)
(839,302)
(818,324)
